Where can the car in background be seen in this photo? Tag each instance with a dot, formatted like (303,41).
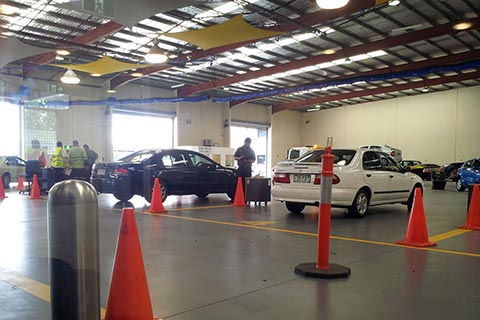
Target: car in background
(391,151)
(451,170)
(180,172)
(362,178)
(11,167)
(423,170)
(410,163)
(469,173)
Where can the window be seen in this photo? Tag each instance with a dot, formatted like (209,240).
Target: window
(370,161)
(199,161)
(388,163)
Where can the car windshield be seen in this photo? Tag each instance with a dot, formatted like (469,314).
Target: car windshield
(341,157)
(138,156)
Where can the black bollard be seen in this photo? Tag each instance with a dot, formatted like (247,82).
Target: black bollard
(73,250)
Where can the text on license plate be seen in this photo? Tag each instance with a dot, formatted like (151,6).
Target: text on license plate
(301,178)
(101,172)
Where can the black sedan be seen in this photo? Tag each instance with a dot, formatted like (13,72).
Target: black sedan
(180,172)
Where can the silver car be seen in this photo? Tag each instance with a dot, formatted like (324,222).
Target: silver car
(391,151)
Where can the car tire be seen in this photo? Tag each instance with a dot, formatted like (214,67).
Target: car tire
(411,198)
(148,193)
(359,206)
(124,197)
(294,207)
(201,195)
(6,180)
(458,185)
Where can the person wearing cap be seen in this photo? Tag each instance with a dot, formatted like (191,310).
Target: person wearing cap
(245,156)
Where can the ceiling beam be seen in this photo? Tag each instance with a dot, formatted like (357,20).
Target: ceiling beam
(89,37)
(315,18)
(441,61)
(382,90)
(410,37)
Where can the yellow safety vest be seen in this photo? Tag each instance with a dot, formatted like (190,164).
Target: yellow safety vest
(58,161)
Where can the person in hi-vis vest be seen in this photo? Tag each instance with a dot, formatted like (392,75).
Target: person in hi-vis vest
(59,161)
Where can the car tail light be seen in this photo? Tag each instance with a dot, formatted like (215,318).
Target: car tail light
(281,178)
(119,171)
(392,153)
(318,179)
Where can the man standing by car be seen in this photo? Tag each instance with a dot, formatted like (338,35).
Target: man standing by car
(92,156)
(245,156)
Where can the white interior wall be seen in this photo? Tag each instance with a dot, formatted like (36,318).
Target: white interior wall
(286,133)
(437,127)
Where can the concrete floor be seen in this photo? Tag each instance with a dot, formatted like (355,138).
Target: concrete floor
(207,260)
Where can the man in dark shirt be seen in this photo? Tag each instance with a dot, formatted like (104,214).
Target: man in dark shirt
(245,156)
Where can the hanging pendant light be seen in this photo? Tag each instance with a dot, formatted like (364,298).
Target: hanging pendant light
(156,55)
(331,4)
(70,77)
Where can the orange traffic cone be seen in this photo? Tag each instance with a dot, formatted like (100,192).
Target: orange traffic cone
(156,206)
(2,190)
(128,297)
(20,186)
(35,191)
(473,215)
(417,235)
(239,200)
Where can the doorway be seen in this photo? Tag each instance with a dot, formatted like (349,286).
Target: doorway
(260,142)
(145,131)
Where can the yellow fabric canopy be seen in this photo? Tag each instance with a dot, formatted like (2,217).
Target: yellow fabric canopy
(233,31)
(102,66)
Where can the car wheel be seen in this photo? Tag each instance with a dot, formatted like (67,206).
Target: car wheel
(295,207)
(148,193)
(6,180)
(459,185)
(359,206)
(123,196)
(411,197)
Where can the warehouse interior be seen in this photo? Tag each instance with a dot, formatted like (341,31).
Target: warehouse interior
(285,73)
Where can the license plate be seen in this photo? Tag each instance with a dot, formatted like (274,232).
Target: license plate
(101,172)
(301,178)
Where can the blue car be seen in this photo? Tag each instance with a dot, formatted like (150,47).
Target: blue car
(469,173)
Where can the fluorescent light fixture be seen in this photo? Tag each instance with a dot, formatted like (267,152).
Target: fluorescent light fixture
(111,91)
(62,52)
(393,3)
(156,55)
(70,77)
(136,74)
(7,10)
(328,51)
(177,86)
(313,109)
(462,26)
(59,58)
(331,4)
(95,75)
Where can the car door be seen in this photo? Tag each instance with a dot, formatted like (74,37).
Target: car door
(180,176)
(375,177)
(211,177)
(399,183)
(471,174)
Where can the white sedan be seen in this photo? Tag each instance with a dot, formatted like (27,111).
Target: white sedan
(362,178)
